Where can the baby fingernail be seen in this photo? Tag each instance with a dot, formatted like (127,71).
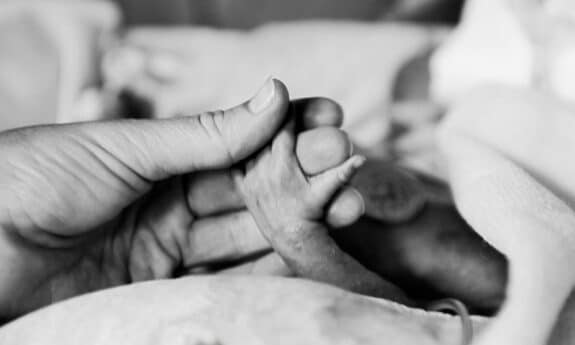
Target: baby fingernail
(359,161)
(264,97)
(362,201)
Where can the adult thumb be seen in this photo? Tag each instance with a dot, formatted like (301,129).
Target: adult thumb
(157,149)
(61,173)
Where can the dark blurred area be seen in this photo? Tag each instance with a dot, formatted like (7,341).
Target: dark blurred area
(250,13)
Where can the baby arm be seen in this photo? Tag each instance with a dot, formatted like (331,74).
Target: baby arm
(289,210)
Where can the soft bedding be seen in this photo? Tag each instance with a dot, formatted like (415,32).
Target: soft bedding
(232,310)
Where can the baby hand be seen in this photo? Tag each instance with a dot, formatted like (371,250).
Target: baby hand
(289,208)
(285,202)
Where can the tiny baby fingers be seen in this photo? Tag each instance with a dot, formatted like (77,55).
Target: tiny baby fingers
(325,185)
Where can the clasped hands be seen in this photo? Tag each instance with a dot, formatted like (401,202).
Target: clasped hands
(89,206)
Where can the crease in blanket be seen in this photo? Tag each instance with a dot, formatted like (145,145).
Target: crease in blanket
(457,307)
(527,223)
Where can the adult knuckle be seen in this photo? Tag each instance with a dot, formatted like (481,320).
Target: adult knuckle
(211,124)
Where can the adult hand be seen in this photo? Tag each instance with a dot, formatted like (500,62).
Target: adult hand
(89,206)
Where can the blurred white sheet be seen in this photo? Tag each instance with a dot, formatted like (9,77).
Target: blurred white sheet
(514,42)
(49,54)
(353,63)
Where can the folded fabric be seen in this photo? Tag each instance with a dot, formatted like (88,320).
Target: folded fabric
(507,150)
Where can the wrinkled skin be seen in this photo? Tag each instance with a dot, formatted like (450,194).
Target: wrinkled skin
(411,236)
(288,207)
(90,206)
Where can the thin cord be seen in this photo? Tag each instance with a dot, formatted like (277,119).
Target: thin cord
(457,307)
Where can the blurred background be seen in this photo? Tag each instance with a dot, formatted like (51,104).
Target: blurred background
(250,13)
(395,66)
(78,60)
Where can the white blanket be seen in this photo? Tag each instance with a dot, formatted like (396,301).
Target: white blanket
(507,151)
(232,311)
